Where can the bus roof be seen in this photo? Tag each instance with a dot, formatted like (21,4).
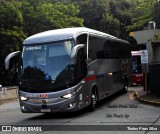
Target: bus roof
(63,34)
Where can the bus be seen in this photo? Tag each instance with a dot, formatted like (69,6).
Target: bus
(68,69)
(137,75)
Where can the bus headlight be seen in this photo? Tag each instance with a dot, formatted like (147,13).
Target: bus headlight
(23,98)
(68,96)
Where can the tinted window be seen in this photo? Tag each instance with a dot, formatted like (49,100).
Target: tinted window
(101,48)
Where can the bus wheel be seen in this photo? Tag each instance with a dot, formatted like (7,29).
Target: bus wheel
(93,101)
(125,89)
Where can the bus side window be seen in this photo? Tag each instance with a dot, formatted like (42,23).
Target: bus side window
(108,51)
(82,39)
(95,48)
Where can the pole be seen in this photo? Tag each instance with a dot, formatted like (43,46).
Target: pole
(146,77)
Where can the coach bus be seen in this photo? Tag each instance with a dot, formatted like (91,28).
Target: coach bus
(68,69)
(137,75)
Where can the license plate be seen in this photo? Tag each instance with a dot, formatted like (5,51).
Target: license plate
(43,96)
(45,110)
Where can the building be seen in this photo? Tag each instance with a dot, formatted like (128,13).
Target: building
(149,40)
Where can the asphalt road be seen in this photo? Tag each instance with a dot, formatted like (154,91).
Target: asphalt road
(120,113)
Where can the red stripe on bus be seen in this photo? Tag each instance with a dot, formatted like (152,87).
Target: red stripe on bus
(90,78)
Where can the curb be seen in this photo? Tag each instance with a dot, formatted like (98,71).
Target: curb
(145,100)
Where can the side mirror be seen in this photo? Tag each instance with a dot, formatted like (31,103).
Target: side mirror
(8,58)
(74,52)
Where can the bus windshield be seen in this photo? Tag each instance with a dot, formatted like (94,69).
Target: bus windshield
(47,62)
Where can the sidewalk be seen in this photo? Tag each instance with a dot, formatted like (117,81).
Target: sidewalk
(147,98)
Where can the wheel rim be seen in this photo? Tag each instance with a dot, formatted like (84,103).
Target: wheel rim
(93,100)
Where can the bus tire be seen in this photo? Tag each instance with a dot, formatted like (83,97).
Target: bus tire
(125,90)
(93,100)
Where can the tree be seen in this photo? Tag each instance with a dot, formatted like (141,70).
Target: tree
(97,15)
(149,10)
(11,30)
(11,34)
(41,16)
(124,11)
(110,16)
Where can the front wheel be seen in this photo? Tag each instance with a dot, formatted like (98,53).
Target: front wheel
(93,102)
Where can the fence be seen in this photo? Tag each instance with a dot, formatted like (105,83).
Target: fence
(7,93)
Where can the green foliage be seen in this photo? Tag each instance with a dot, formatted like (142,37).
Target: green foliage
(44,16)
(11,30)
(149,10)
(97,15)
(156,37)
(11,34)
(124,11)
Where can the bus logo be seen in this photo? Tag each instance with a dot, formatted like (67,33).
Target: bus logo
(43,96)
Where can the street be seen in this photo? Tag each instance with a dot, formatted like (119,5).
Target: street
(120,109)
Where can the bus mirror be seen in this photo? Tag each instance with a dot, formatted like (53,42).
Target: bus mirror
(9,57)
(75,51)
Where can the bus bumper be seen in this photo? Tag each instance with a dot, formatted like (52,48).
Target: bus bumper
(67,105)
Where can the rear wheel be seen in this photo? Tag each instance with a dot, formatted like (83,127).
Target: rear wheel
(126,83)
(125,90)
